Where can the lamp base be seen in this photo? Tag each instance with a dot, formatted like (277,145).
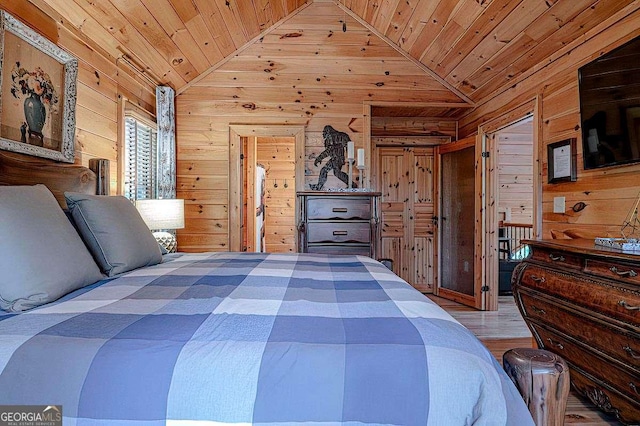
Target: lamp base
(167,241)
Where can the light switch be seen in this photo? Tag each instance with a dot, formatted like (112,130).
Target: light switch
(558,204)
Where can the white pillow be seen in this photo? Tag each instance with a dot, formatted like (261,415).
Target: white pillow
(42,257)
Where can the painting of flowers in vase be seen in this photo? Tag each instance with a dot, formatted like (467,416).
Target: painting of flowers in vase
(37,103)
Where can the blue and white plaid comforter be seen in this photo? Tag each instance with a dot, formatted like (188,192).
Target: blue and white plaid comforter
(253,339)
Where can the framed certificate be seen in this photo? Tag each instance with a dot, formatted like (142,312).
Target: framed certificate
(562,161)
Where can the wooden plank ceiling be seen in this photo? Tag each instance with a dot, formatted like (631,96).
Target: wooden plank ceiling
(478,47)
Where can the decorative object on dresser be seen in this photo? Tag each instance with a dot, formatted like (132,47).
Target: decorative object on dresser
(338,222)
(162,215)
(582,302)
(630,232)
(335,145)
(38,93)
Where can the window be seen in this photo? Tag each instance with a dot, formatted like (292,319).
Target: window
(140,159)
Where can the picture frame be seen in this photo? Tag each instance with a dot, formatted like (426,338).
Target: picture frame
(37,93)
(562,161)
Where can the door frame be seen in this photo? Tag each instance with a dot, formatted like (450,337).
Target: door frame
(490,218)
(236,133)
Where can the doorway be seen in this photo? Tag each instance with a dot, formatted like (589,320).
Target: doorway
(514,195)
(258,142)
(269,195)
(505,176)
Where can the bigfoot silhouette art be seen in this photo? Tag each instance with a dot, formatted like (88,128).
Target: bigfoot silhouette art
(335,144)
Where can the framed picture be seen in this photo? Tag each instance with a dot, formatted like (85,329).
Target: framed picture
(562,161)
(37,93)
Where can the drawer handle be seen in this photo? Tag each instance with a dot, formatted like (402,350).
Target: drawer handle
(629,273)
(556,258)
(339,210)
(538,310)
(628,307)
(555,344)
(634,388)
(633,354)
(538,279)
(340,232)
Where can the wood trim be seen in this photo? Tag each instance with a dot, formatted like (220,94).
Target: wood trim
(457,145)
(250,172)
(488,235)
(538,146)
(368,150)
(509,117)
(455,296)
(120,143)
(423,105)
(236,132)
(404,54)
(241,49)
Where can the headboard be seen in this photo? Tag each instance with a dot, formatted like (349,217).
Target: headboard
(20,169)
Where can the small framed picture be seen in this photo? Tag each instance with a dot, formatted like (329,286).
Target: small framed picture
(562,161)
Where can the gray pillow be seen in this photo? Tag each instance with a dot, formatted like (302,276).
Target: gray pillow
(113,230)
(42,258)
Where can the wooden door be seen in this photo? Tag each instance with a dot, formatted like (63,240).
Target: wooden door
(406,212)
(460,211)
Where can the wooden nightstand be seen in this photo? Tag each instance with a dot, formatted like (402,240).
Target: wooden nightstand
(338,222)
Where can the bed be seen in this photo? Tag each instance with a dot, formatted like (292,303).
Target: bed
(251,338)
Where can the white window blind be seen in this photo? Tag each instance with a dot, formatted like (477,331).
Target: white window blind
(140,160)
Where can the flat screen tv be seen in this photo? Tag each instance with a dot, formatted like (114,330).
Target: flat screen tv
(610,107)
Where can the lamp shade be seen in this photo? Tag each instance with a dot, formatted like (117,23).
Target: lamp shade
(162,214)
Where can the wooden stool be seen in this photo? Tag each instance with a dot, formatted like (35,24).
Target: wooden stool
(542,378)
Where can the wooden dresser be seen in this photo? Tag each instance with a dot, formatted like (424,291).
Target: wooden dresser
(338,222)
(583,303)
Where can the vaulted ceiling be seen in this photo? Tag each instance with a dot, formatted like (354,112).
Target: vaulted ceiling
(476,47)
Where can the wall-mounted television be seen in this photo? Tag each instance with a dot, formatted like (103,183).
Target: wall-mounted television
(610,107)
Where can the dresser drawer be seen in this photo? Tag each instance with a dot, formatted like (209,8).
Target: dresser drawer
(624,381)
(613,270)
(339,249)
(338,208)
(619,344)
(603,296)
(557,258)
(339,232)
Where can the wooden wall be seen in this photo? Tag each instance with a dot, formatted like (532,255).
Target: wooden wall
(306,71)
(100,86)
(515,172)
(608,193)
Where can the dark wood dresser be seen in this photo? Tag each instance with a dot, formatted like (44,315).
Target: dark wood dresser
(338,222)
(582,302)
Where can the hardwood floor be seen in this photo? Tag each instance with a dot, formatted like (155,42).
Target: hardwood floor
(505,329)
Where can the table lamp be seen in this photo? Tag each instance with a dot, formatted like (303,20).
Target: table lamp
(162,215)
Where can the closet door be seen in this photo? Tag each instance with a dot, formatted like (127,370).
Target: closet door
(407,210)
